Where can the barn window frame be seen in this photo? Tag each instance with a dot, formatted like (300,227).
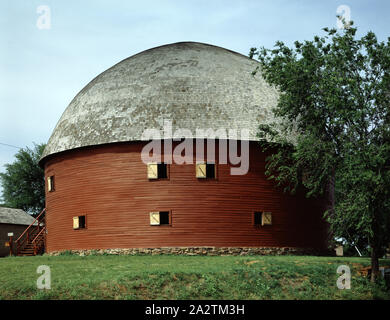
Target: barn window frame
(203,169)
(257,216)
(159,224)
(81,222)
(262,218)
(51,183)
(160,170)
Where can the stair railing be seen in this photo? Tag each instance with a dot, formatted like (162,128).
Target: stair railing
(26,235)
(38,244)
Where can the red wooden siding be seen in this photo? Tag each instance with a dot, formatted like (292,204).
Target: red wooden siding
(108,184)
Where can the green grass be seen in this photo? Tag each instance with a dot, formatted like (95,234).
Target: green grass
(186,277)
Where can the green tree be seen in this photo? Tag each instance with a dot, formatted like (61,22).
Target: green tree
(334,129)
(23,181)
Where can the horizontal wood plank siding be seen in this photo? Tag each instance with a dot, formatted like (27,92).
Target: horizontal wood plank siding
(109,185)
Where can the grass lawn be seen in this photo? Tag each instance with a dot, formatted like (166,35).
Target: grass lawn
(186,277)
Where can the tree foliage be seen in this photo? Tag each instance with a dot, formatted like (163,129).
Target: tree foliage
(334,102)
(23,181)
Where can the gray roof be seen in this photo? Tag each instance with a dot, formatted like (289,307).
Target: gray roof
(193,85)
(15,216)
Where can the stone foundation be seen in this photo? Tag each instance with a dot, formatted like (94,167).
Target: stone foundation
(196,251)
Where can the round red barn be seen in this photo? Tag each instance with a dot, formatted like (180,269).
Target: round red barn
(100,194)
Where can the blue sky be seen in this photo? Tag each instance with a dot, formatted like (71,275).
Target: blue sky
(42,70)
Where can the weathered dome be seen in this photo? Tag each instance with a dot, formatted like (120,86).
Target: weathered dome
(193,85)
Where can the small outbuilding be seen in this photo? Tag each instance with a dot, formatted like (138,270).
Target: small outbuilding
(12,221)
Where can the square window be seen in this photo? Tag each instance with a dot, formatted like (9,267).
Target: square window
(258,218)
(159,218)
(157,171)
(162,171)
(201,170)
(79,222)
(50,184)
(205,170)
(152,171)
(154,218)
(210,170)
(164,217)
(266,219)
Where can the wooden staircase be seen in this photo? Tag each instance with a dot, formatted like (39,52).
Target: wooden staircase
(32,241)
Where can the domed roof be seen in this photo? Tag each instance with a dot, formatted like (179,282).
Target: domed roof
(192,85)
